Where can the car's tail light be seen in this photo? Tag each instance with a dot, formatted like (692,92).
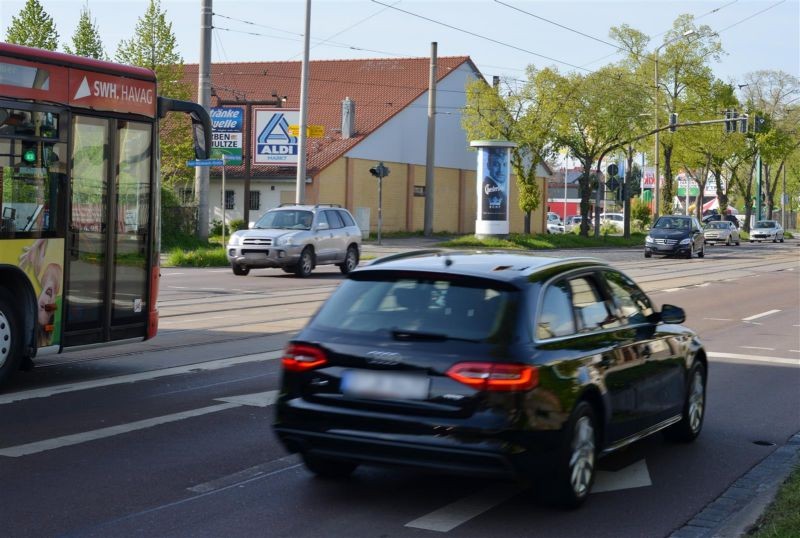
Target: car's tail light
(495,377)
(301,358)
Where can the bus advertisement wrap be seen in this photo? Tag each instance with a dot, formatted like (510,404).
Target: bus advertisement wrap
(42,262)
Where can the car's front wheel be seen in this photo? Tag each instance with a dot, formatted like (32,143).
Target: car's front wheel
(575,469)
(240,270)
(331,468)
(728,241)
(350,260)
(694,408)
(306,263)
(647,254)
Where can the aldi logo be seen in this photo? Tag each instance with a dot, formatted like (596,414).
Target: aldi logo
(274,142)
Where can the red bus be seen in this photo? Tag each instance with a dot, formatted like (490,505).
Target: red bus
(79,201)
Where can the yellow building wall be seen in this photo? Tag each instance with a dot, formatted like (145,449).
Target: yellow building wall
(449,191)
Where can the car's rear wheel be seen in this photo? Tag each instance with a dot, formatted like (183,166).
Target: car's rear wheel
(306,263)
(10,338)
(350,260)
(330,468)
(694,408)
(240,270)
(575,470)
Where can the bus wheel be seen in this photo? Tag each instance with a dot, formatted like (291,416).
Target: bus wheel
(10,339)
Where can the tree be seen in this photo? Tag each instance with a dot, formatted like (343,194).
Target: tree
(86,39)
(682,64)
(595,115)
(154,46)
(521,116)
(33,28)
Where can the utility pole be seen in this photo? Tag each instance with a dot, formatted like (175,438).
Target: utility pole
(300,195)
(201,173)
(429,154)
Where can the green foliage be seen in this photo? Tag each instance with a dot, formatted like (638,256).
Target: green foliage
(155,47)
(86,39)
(200,257)
(781,519)
(237,224)
(33,28)
(610,228)
(640,210)
(233,226)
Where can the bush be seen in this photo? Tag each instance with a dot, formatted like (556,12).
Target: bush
(640,211)
(236,225)
(201,257)
(609,228)
(232,226)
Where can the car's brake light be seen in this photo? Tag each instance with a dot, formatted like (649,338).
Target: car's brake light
(495,377)
(301,358)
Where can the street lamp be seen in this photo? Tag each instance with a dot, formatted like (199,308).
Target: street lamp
(687,33)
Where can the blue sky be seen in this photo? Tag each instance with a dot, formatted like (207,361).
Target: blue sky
(367,29)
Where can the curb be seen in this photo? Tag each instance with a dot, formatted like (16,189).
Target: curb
(734,512)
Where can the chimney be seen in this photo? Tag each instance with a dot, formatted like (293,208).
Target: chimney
(348,118)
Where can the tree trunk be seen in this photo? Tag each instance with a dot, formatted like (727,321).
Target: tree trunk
(667,193)
(585,190)
(526,223)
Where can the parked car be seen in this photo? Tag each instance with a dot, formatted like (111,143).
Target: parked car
(574,222)
(555,218)
(721,231)
(555,228)
(676,235)
(767,230)
(297,238)
(614,218)
(488,364)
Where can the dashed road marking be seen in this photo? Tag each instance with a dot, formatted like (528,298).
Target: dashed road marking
(756,347)
(718,319)
(723,357)
(459,512)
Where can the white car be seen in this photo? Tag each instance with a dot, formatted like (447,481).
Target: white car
(721,231)
(554,228)
(615,218)
(767,230)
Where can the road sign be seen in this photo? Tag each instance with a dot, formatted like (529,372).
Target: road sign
(204,162)
(312,131)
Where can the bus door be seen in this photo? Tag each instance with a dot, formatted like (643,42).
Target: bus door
(110,230)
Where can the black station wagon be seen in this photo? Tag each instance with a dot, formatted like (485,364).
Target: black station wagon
(487,365)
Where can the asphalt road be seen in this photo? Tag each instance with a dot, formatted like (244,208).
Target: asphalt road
(172,437)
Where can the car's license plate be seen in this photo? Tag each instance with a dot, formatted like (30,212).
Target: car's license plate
(256,255)
(384,385)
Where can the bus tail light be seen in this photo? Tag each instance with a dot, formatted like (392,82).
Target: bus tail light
(492,376)
(301,358)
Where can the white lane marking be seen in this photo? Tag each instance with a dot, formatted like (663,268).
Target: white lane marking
(220,271)
(263,470)
(68,440)
(454,514)
(795,350)
(143,376)
(178,287)
(635,475)
(119,429)
(761,315)
(718,319)
(703,285)
(172,274)
(756,347)
(211,289)
(753,358)
(670,290)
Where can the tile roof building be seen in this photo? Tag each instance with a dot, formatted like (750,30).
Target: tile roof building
(389,98)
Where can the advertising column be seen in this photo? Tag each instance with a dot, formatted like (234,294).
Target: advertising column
(492,186)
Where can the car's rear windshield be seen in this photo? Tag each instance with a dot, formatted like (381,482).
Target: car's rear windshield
(425,307)
(285,219)
(765,224)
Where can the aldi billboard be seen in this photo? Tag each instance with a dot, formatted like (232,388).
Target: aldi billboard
(273,142)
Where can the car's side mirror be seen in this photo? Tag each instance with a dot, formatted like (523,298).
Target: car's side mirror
(672,314)
(323,226)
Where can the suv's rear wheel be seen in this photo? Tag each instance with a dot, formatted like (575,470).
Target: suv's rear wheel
(240,270)
(350,260)
(306,263)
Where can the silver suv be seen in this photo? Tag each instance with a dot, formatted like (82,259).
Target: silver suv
(297,238)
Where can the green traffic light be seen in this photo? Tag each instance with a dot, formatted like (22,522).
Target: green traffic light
(29,156)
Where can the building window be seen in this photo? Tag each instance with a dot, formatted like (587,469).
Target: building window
(255,200)
(229,200)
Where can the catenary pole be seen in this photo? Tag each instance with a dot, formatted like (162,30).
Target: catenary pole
(300,195)
(201,173)
(430,150)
